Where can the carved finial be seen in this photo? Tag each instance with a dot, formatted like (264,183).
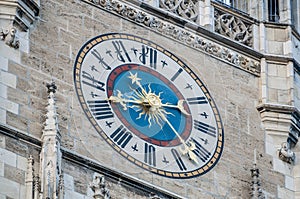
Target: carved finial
(51,121)
(99,188)
(51,87)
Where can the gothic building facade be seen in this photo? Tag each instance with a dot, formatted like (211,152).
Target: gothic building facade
(149,99)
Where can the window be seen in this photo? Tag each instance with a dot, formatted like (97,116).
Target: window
(241,5)
(294,13)
(273,10)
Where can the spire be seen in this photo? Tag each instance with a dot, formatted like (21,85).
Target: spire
(51,121)
(256,191)
(50,156)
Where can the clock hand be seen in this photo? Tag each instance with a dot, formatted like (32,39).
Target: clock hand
(179,106)
(119,99)
(188,147)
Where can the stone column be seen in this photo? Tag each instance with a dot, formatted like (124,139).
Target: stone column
(29,181)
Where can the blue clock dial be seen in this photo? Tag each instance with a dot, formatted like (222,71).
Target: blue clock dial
(148,105)
(149,126)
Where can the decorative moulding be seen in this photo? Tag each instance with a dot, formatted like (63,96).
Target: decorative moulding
(16,16)
(183,35)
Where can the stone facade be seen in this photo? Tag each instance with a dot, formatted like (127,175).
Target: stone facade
(250,66)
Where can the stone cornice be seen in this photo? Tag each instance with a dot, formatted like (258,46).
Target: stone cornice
(19,13)
(16,16)
(75,158)
(277,108)
(184,32)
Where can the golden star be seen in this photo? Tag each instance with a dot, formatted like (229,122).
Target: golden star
(134,78)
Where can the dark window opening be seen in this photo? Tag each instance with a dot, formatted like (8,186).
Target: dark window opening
(294,13)
(273,10)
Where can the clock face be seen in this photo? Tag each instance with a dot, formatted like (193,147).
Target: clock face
(148,105)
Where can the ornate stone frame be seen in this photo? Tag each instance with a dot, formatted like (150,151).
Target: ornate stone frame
(190,35)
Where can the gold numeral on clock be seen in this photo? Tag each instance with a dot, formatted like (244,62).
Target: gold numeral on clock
(178,159)
(150,156)
(121,136)
(100,109)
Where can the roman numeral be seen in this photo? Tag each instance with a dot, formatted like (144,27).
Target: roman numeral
(100,109)
(89,80)
(101,59)
(200,151)
(176,74)
(150,156)
(121,136)
(205,128)
(152,53)
(196,100)
(178,159)
(121,51)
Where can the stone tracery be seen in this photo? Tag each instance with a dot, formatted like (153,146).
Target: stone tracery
(183,8)
(233,27)
(181,35)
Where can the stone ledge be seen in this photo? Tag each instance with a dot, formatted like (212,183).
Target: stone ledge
(71,156)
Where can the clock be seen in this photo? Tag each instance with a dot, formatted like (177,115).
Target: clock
(148,105)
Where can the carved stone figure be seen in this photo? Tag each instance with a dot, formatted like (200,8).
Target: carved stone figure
(9,36)
(286,154)
(99,188)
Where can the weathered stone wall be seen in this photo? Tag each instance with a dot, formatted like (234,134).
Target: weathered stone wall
(64,26)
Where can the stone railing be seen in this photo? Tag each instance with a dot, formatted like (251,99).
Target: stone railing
(188,9)
(232,24)
(181,34)
(227,21)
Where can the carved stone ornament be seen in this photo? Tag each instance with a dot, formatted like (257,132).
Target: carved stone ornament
(9,36)
(256,191)
(183,8)
(180,34)
(286,154)
(99,188)
(233,27)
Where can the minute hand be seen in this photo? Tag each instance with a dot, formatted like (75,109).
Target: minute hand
(188,149)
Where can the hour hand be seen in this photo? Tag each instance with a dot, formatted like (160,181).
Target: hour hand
(120,99)
(178,106)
